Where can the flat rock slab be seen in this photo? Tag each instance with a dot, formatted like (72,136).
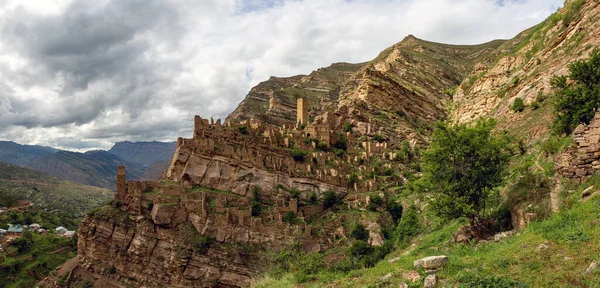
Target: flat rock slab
(431,262)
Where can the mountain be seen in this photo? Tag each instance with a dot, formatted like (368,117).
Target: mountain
(274,101)
(95,168)
(144,153)
(11,152)
(333,196)
(46,191)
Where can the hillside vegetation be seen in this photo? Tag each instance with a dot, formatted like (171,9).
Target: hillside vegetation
(45,191)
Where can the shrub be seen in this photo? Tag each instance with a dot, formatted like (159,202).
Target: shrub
(329,199)
(359,232)
(352,179)
(387,171)
(299,155)
(290,217)
(294,193)
(322,146)
(347,127)
(577,101)
(243,129)
(473,281)
(378,137)
(518,105)
(376,201)
(395,209)
(312,197)
(450,91)
(534,105)
(341,142)
(360,248)
(540,97)
(339,153)
(409,225)
(554,144)
(255,206)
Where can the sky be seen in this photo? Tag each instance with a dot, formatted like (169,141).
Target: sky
(84,74)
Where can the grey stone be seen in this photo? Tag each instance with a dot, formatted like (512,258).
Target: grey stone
(430,281)
(593,266)
(431,262)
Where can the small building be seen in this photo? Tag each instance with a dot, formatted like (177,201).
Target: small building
(34,227)
(15,230)
(69,234)
(2,231)
(60,230)
(41,231)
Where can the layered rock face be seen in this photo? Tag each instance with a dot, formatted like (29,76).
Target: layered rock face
(523,69)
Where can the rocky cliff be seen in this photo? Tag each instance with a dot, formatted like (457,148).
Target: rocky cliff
(524,68)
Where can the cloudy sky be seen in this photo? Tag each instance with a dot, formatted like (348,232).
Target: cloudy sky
(83,74)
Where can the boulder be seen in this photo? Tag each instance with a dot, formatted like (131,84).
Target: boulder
(431,262)
(403,285)
(430,281)
(412,276)
(385,279)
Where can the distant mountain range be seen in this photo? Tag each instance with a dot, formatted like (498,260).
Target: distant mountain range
(143,160)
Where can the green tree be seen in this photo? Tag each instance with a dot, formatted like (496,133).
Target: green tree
(577,101)
(462,165)
(359,232)
(298,154)
(329,199)
(409,224)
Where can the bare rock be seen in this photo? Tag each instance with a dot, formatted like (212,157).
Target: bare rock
(503,235)
(463,235)
(403,285)
(430,281)
(593,266)
(412,276)
(431,262)
(393,260)
(385,279)
(587,192)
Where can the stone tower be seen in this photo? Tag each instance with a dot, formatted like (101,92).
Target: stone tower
(121,183)
(302,111)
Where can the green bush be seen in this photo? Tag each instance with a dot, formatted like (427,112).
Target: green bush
(534,105)
(376,202)
(352,179)
(255,206)
(347,127)
(409,225)
(294,193)
(518,105)
(379,138)
(341,143)
(329,199)
(360,233)
(290,217)
(395,209)
(243,129)
(299,155)
(554,144)
(312,197)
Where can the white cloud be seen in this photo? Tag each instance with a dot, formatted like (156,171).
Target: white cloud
(84,74)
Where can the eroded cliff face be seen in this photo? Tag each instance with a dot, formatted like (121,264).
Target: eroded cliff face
(274,101)
(524,68)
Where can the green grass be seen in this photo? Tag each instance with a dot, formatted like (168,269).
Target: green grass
(27,268)
(569,236)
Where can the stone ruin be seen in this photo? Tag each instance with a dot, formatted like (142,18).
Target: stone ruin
(583,159)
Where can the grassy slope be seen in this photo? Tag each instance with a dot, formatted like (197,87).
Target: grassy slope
(45,253)
(570,244)
(49,192)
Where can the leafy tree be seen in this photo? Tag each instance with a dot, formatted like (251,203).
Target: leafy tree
(312,197)
(409,224)
(359,232)
(577,101)
(462,165)
(341,143)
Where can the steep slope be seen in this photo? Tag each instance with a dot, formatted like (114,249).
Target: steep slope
(274,101)
(95,168)
(405,89)
(46,191)
(11,152)
(524,69)
(144,153)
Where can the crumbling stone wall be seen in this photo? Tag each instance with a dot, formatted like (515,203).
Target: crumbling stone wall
(583,159)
